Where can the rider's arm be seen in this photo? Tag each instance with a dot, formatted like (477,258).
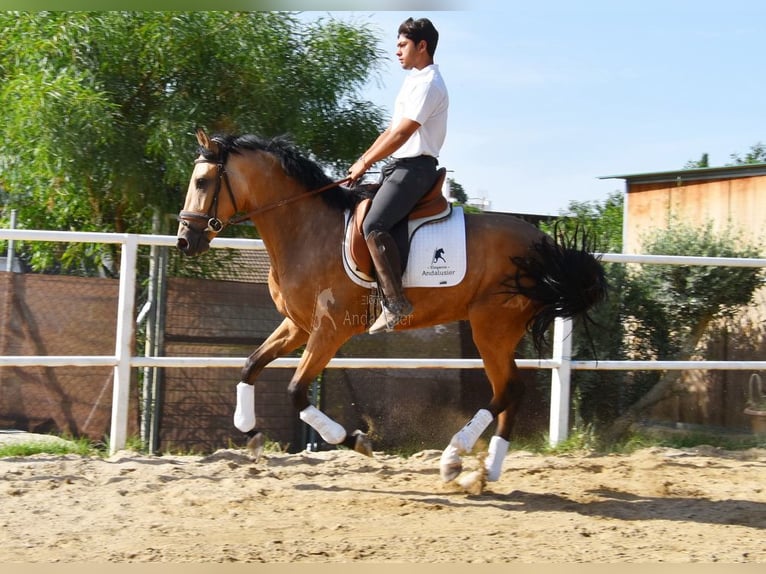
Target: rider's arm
(385,144)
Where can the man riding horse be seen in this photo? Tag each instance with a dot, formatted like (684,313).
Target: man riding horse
(413,140)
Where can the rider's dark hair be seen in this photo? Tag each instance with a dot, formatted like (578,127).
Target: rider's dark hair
(420,29)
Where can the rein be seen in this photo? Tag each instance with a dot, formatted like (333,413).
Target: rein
(216,225)
(287,200)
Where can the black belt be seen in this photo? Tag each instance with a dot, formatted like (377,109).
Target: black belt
(405,160)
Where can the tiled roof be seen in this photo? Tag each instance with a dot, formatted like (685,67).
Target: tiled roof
(246,266)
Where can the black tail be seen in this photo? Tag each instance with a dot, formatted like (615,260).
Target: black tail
(562,275)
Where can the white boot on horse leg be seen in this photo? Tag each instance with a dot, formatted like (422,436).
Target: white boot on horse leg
(474,482)
(451,465)
(498,449)
(244,419)
(244,414)
(330,431)
(333,433)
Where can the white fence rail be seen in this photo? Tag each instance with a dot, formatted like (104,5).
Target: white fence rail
(561,363)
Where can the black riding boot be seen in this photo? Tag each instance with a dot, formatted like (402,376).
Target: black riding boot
(388,268)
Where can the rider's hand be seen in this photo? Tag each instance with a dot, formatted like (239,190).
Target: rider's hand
(358,169)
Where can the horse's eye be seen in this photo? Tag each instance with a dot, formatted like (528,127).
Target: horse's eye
(201,183)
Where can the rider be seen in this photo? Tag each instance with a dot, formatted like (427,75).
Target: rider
(413,140)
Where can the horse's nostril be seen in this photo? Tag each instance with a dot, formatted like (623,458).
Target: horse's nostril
(182,245)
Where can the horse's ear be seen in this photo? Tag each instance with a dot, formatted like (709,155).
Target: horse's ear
(205,141)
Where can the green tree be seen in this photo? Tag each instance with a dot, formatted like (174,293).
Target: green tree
(703,161)
(601,220)
(757,154)
(98,109)
(457,192)
(668,308)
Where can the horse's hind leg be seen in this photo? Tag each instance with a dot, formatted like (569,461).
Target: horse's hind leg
(507,392)
(499,443)
(496,342)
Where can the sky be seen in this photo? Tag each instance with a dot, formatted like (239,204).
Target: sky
(549,97)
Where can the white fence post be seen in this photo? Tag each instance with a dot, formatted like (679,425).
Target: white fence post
(560,381)
(124,344)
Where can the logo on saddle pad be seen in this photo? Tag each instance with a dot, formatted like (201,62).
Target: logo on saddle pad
(437,255)
(435,269)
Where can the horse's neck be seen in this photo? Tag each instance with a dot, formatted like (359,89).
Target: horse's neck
(301,226)
(301,232)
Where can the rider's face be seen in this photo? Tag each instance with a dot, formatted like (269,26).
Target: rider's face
(408,53)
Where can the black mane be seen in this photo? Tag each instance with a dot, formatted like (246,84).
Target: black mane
(295,164)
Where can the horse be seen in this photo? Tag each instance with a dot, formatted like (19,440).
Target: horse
(518,280)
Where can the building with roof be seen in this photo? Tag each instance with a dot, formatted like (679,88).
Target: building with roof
(733,195)
(729,197)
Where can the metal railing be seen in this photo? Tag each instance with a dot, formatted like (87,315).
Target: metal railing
(560,363)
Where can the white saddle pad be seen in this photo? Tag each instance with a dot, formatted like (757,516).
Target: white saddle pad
(437,254)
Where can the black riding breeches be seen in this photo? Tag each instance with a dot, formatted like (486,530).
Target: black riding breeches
(403,183)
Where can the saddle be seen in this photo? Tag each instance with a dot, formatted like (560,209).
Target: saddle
(431,207)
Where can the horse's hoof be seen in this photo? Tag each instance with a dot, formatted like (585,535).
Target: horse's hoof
(473,482)
(255,445)
(363,444)
(450,464)
(451,471)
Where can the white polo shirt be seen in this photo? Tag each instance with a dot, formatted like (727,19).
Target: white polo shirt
(423,98)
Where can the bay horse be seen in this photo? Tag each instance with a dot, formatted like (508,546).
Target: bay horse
(517,280)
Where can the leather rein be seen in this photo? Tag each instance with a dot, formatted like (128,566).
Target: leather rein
(213,223)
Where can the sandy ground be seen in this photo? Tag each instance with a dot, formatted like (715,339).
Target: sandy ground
(656,505)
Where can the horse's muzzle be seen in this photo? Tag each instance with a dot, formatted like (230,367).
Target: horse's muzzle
(192,242)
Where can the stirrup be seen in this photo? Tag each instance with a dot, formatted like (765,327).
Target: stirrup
(387,320)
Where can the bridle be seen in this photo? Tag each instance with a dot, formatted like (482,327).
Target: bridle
(211,220)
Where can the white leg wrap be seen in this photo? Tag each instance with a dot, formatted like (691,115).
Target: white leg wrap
(498,448)
(327,428)
(244,415)
(466,437)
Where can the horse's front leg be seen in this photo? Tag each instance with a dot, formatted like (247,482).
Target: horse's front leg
(286,338)
(317,354)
